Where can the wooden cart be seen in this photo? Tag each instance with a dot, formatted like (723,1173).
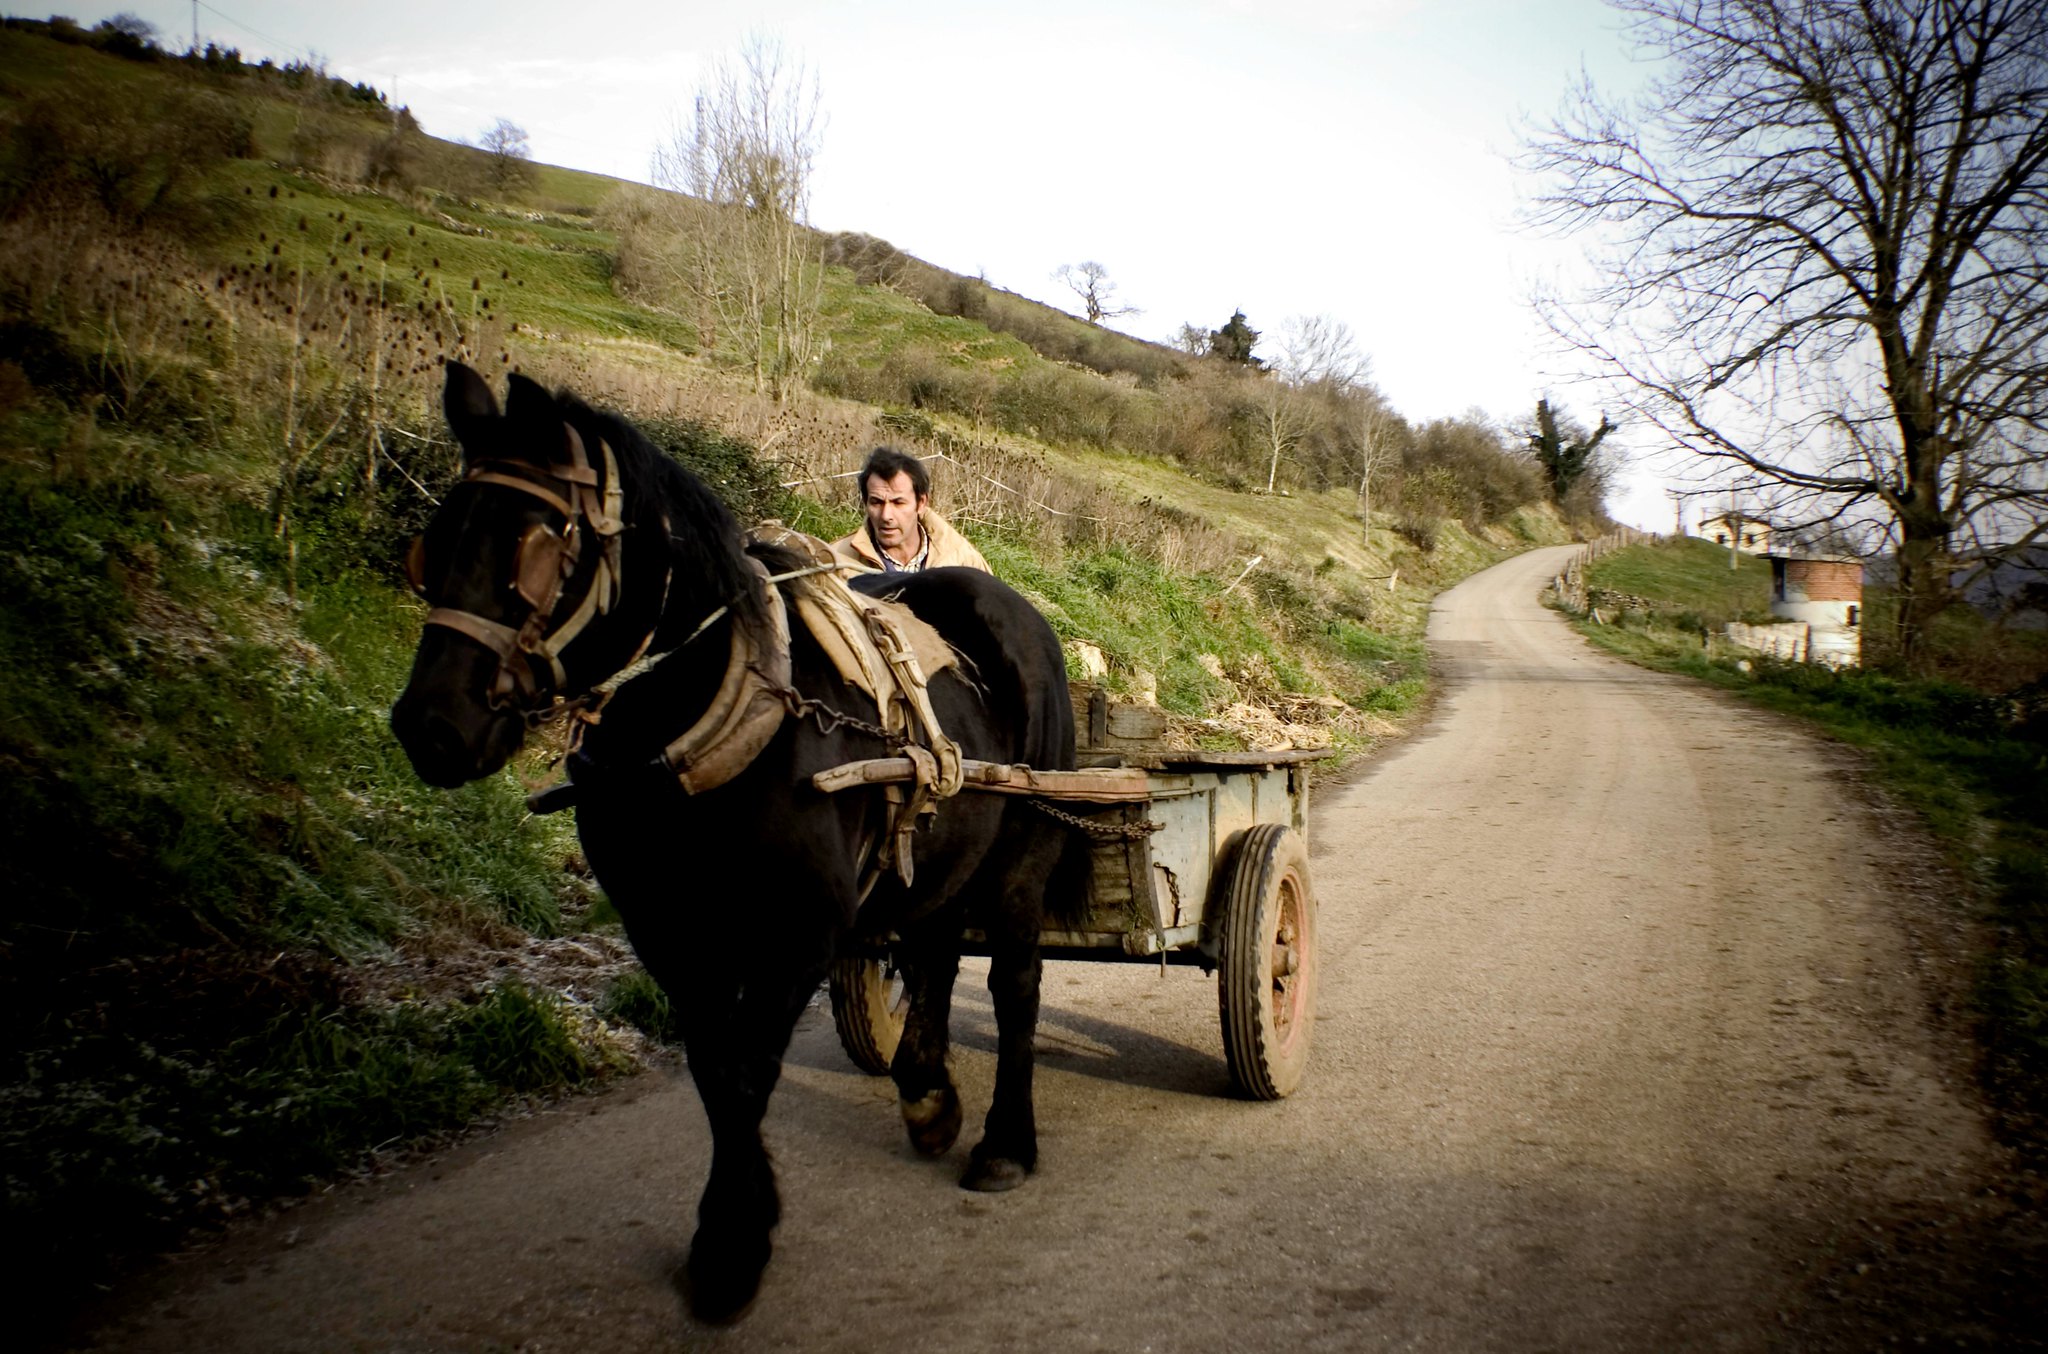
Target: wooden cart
(1200,858)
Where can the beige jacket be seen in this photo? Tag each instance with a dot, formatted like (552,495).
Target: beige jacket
(947,547)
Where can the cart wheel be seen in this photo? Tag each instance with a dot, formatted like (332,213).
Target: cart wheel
(1266,988)
(868,1004)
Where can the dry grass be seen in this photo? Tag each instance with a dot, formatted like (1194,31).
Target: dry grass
(818,442)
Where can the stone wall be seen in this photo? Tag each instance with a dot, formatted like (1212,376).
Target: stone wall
(1788,643)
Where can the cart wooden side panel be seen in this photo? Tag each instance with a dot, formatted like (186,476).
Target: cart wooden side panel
(1152,891)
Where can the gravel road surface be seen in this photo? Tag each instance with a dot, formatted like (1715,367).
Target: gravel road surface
(1624,1044)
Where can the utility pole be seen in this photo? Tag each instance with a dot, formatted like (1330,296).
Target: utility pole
(195,27)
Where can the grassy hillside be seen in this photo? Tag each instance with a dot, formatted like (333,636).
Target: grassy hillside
(1692,582)
(1967,749)
(245,948)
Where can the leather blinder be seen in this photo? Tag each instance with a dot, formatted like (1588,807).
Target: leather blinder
(541,566)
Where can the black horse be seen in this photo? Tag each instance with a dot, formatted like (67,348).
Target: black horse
(571,547)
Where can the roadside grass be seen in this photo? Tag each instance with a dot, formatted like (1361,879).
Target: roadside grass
(203,823)
(1272,639)
(116,1144)
(1972,761)
(636,999)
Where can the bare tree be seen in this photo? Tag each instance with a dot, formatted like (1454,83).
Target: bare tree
(509,165)
(1285,417)
(1316,363)
(1190,339)
(1826,259)
(1090,281)
(748,256)
(1375,431)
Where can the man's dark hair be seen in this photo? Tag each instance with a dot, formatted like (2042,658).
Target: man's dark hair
(889,463)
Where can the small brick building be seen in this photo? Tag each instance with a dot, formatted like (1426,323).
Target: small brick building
(1825,592)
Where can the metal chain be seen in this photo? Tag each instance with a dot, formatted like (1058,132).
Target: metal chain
(829,719)
(1108,832)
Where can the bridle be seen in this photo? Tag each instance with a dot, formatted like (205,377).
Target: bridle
(591,501)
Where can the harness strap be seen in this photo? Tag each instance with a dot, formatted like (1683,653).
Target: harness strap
(525,486)
(913,688)
(501,640)
(595,500)
(743,717)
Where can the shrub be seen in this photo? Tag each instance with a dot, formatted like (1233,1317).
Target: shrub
(1462,468)
(637,1000)
(135,159)
(1418,530)
(518,1041)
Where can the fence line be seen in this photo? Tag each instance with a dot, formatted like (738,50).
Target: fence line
(1570,582)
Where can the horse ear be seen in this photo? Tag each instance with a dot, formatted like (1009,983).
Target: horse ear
(536,420)
(527,400)
(467,402)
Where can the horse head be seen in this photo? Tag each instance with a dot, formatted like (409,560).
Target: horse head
(525,565)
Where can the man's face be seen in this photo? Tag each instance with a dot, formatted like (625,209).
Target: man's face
(892,514)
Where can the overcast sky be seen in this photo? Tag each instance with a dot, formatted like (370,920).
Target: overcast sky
(1285,157)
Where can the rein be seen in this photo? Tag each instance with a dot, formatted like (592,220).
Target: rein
(645,663)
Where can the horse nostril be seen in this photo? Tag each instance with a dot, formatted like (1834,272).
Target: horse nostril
(439,752)
(444,741)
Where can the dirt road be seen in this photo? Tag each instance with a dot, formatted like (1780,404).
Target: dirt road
(1623,1046)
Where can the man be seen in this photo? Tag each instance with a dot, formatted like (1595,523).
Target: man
(902,533)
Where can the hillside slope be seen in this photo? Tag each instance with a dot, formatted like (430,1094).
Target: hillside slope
(247,947)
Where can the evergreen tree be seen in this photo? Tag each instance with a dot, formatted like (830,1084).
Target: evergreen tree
(1234,341)
(1564,455)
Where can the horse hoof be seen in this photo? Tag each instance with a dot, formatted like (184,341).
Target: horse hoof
(933,1121)
(993,1175)
(725,1279)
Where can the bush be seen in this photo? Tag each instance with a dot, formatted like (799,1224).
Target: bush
(1417,530)
(517,1041)
(1461,468)
(135,159)
(637,1000)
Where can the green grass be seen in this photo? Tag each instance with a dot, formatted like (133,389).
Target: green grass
(544,277)
(204,821)
(1689,575)
(115,1143)
(1148,619)
(638,1000)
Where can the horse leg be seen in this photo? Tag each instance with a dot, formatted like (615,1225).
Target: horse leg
(1008,1150)
(924,1088)
(735,1035)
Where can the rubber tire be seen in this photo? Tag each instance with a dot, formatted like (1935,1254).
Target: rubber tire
(1267,1022)
(867,1010)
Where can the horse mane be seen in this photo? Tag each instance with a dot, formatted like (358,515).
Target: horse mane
(705,540)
